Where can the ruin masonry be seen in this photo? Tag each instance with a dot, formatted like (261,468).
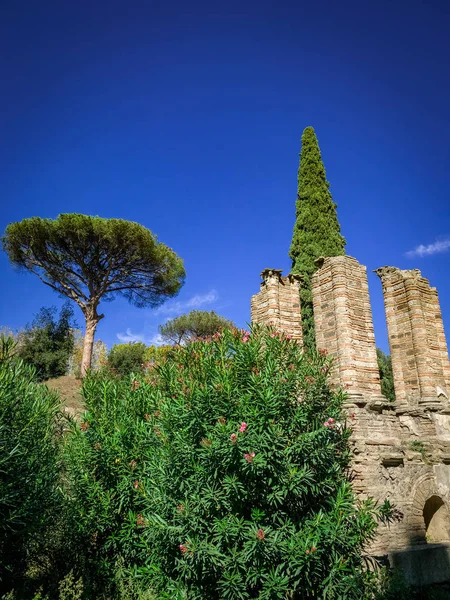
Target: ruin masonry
(401,450)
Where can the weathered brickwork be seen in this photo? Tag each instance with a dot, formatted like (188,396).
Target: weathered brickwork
(278,303)
(416,338)
(344,327)
(401,450)
(404,458)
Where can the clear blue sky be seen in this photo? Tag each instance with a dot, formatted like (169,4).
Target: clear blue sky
(187,118)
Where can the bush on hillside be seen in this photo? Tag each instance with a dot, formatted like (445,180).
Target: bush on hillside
(157,354)
(47,344)
(124,359)
(223,474)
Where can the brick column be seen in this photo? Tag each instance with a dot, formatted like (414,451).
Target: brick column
(344,326)
(416,338)
(278,303)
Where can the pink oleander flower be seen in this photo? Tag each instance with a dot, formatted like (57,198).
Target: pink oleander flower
(273,335)
(133,464)
(183,549)
(249,457)
(289,336)
(260,535)
(136,484)
(243,427)
(233,438)
(331,420)
(141,521)
(135,385)
(326,424)
(245,335)
(221,420)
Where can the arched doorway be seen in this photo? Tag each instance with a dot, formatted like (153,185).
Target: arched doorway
(437,522)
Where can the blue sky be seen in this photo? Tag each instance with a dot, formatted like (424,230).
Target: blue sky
(187,118)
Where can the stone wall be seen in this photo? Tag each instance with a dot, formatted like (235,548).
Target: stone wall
(401,450)
(278,303)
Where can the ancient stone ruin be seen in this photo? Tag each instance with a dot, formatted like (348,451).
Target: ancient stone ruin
(402,449)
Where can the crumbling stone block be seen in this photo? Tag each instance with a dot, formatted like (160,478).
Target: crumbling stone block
(344,326)
(278,303)
(416,338)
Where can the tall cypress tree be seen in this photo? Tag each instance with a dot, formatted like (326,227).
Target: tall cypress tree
(316,231)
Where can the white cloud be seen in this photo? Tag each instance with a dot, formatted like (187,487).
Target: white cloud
(436,248)
(129,336)
(178,307)
(156,340)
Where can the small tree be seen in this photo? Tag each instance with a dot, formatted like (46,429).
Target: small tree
(127,358)
(90,259)
(196,324)
(316,231)
(48,342)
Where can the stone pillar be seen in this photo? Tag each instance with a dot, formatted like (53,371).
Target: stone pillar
(344,326)
(416,338)
(278,303)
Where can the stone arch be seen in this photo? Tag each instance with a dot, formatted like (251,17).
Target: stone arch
(437,520)
(429,520)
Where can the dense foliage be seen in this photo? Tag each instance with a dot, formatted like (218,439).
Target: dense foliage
(29,463)
(316,230)
(386,375)
(222,474)
(90,259)
(48,343)
(125,359)
(195,324)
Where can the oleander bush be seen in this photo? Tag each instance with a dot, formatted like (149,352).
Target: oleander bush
(221,473)
(29,464)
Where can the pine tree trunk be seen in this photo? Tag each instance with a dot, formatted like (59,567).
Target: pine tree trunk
(91,326)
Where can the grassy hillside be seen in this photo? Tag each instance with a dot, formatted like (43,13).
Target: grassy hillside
(69,388)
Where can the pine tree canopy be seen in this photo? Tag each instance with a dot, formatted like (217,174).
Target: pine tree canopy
(316,231)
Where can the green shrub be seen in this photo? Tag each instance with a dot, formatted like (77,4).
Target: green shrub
(223,474)
(386,375)
(125,359)
(29,458)
(47,344)
(156,354)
